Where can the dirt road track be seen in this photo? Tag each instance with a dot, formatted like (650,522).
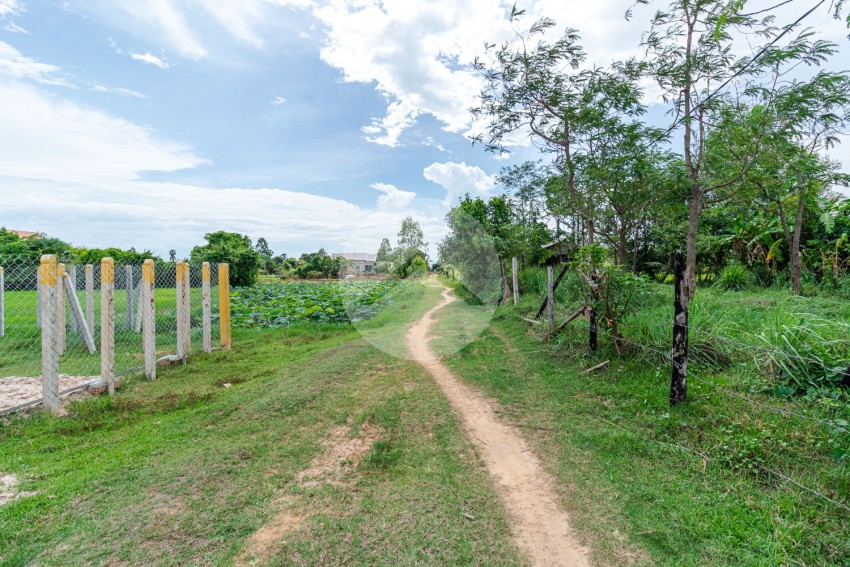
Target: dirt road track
(540,527)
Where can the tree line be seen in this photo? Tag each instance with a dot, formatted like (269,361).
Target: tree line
(741,179)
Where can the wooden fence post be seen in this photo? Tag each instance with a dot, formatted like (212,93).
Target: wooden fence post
(550,296)
(184,338)
(224,304)
(207,306)
(90,297)
(48,273)
(129,320)
(2,302)
(148,303)
(72,277)
(61,320)
(107,323)
(514,270)
(593,333)
(679,358)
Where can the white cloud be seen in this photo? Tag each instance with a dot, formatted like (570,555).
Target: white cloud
(278,100)
(118,90)
(393,198)
(47,138)
(17,66)
(10,8)
(193,29)
(12,27)
(419,53)
(151,60)
(459,179)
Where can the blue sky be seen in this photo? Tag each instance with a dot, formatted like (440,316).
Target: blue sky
(311,123)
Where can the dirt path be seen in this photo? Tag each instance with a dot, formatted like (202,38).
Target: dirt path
(540,528)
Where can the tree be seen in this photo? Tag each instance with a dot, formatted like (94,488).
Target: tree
(385,251)
(234,249)
(411,240)
(692,58)
(262,248)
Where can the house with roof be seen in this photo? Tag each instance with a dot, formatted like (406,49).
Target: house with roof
(359,262)
(24,234)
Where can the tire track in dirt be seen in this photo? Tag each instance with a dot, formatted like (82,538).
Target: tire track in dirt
(540,527)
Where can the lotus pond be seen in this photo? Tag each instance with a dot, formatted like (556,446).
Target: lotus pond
(285,304)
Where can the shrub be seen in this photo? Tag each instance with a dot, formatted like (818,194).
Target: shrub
(734,277)
(801,351)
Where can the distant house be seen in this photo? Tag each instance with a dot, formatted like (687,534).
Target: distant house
(24,234)
(361,263)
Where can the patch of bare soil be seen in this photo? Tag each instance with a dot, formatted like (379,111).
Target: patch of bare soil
(540,527)
(341,456)
(9,489)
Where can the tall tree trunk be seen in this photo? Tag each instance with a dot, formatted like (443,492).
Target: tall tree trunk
(506,290)
(694,208)
(796,267)
(622,250)
(590,231)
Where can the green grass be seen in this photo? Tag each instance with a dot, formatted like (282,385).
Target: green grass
(20,348)
(687,485)
(183,470)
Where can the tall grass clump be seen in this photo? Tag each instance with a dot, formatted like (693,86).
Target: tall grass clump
(803,352)
(734,277)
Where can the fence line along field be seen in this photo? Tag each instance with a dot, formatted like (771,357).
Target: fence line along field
(79,321)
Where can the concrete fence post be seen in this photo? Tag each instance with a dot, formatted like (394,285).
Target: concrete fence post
(224,304)
(38,297)
(515,276)
(2,302)
(72,277)
(149,318)
(184,337)
(61,318)
(131,299)
(107,323)
(48,275)
(90,297)
(207,306)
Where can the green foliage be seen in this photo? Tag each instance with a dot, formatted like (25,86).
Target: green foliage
(734,277)
(234,249)
(286,304)
(803,351)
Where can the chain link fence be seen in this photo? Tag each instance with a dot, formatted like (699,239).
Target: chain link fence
(79,297)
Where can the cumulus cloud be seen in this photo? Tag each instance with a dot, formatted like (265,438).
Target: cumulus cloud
(15,65)
(278,100)
(10,8)
(459,179)
(151,59)
(393,197)
(48,138)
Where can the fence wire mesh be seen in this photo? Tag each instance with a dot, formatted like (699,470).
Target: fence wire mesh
(80,304)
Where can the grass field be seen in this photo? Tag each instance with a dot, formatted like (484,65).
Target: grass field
(184,470)
(188,470)
(686,486)
(20,348)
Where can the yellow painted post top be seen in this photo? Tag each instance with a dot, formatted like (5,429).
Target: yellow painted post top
(205,271)
(147,271)
(182,270)
(107,271)
(62,272)
(89,268)
(1,269)
(47,270)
